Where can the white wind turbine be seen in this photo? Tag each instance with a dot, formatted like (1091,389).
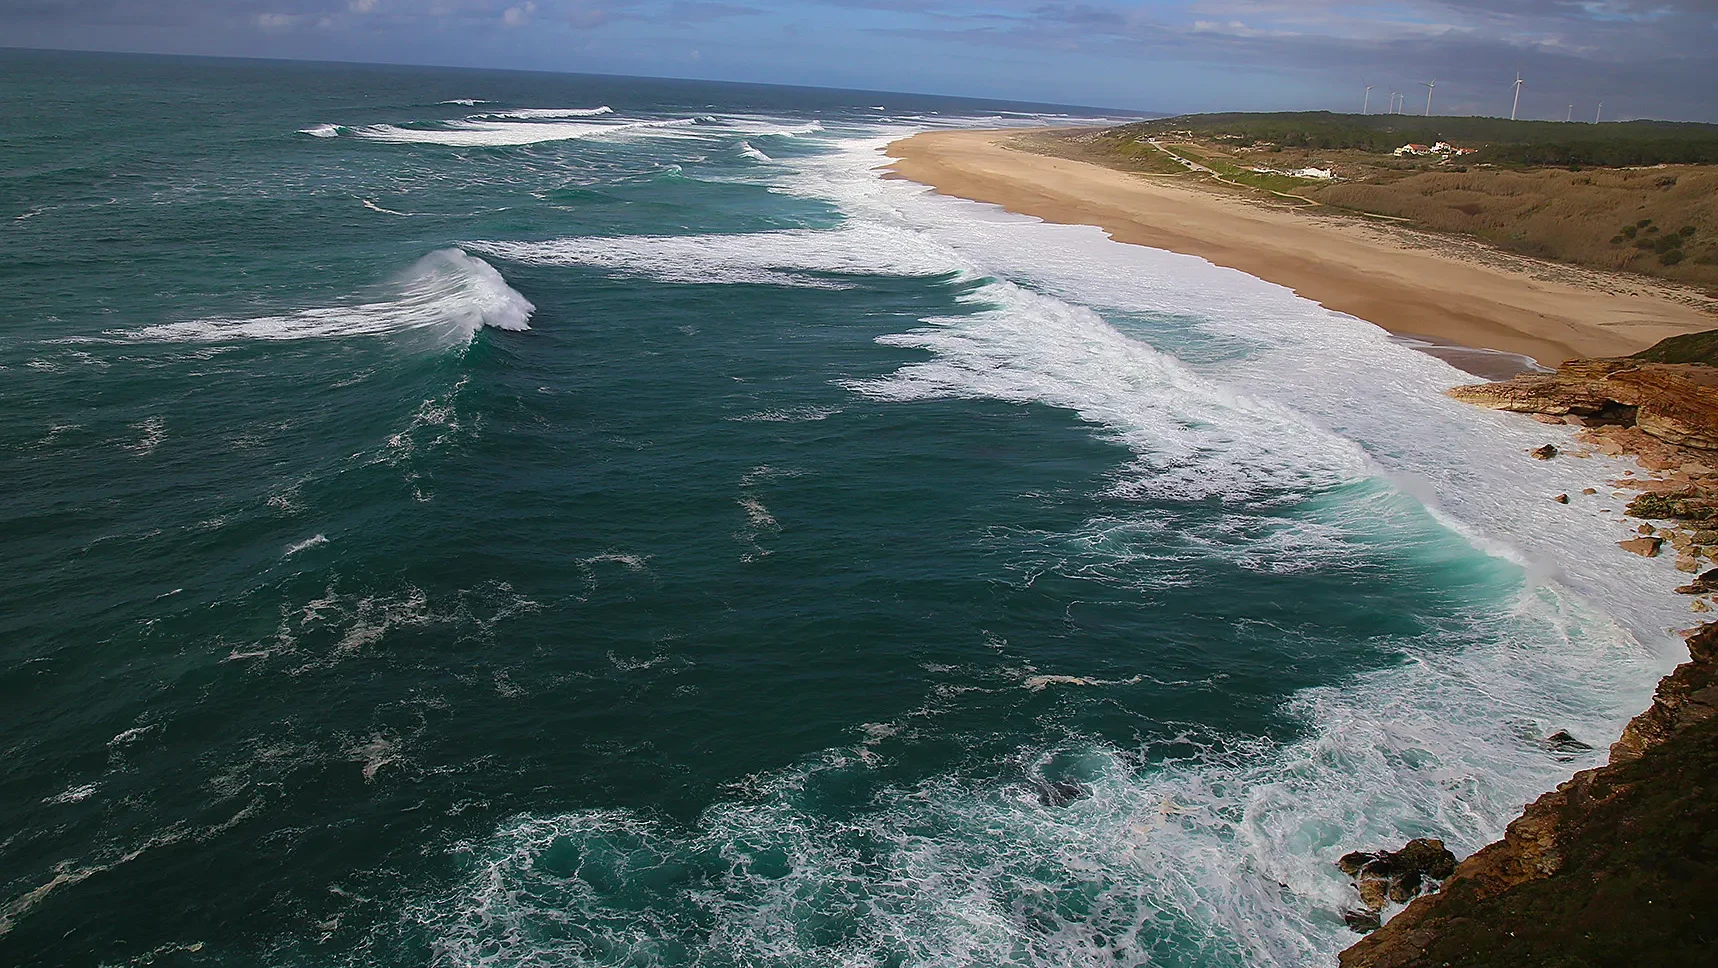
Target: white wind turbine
(1571,116)
(1366,104)
(1431,86)
(1517,107)
(1600,111)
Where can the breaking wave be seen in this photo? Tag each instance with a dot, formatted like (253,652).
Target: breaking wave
(792,257)
(446,291)
(530,114)
(497,133)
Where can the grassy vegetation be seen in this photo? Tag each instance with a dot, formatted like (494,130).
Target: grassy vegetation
(1660,221)
(1287,184)
(1500,141)
(1606,219)
(1688,348)
(1115,149)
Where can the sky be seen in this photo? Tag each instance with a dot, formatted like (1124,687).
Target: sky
(1640,58)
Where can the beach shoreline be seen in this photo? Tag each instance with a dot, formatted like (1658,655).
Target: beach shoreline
(1414,285)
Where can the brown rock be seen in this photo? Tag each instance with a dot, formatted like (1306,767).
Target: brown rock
(1699,606)
(1536,394)
(1561,499)
(1545,452)
(1645,547)
(1589,490)
(1677,402)
(1688,563)
(1707,582)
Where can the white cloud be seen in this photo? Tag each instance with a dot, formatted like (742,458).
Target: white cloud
(516,16)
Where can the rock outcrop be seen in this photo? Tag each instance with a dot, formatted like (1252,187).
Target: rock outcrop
(1673,402)
(1659,406)
(1393,875)
(1617,866)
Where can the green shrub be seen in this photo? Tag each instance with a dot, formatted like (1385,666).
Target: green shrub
(1686,231)
(1670,258)
(1630,231)
(1616,240)
(1643,223)
(1667,242)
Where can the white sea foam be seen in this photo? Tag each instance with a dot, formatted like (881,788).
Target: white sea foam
(75,794)
(372,206)
(790,415)
(322,131)
(465,101)
(753,153)
(446,292)
(151,432)
(307,543)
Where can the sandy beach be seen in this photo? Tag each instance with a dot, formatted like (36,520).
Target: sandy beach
(1412,283)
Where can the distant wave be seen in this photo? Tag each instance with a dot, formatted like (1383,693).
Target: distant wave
(372,206)
(802,258)
(528,114)
(322,131)
(447,291)
(480,133)
(466,101)
(753,153)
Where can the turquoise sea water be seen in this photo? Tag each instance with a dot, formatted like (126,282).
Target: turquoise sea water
(465,518)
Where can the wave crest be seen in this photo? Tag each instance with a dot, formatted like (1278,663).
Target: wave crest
(527,114)
(446,290)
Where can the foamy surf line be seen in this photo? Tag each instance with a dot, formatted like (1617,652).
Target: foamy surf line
(447,291)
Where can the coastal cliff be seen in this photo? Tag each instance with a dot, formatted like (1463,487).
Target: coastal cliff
(1618,865)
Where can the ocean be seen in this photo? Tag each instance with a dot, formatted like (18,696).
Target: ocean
(477,518)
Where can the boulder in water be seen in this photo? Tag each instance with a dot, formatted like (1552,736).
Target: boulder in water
(1394,875)
(1060,793)
(1643,546)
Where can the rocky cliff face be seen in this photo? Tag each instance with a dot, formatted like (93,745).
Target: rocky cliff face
(1617,866)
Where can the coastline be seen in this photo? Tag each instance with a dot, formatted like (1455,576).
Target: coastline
(1381,274)
(1628,839)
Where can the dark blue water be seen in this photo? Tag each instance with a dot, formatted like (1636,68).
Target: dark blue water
(604,523)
